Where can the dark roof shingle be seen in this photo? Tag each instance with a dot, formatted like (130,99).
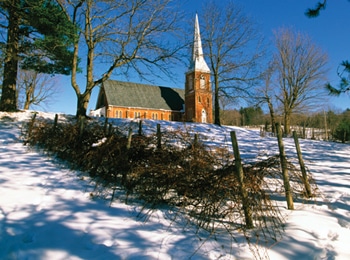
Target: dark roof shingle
(128,94)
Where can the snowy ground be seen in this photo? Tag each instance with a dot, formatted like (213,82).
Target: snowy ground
(47,212)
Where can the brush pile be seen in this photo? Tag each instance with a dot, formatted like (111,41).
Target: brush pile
(199,183)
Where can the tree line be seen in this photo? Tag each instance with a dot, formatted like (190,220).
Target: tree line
(334,125)
(149,38)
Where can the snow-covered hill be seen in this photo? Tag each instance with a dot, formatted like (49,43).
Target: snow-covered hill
(47,211)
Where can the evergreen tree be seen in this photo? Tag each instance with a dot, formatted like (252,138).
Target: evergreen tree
(251,116)
(39,38)
(344,74)
(342,132)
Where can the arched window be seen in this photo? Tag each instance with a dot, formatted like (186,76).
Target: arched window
(202,81)
(155,116)
(118,114)
(137,115)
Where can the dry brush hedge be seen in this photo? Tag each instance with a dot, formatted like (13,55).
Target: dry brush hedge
(193,179)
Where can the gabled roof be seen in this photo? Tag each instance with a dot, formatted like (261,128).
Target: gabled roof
(128,94)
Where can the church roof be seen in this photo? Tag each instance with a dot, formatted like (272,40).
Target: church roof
(128,94)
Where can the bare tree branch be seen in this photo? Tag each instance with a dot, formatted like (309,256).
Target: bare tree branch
(228,35)
(121,36)
(36,89)
(300,71)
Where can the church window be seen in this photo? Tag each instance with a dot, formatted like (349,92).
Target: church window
(154,116)
(119,114)
(199,99)
(137,115)
(202,81)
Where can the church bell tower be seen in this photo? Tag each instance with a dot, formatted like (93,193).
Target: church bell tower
(198,93)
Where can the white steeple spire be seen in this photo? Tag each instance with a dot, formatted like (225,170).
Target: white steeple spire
(198,63)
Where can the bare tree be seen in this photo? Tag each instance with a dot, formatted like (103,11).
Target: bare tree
(265,94)
(232,45)
(300,72)
(35,89)
(124,35)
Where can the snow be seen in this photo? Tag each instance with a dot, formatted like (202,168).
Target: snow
(48,211)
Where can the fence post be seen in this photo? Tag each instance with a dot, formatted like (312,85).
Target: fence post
(302,165)
(105,126)
(55,122)
(110,129)
(195,141)
(129,138)
(31,125)
(240,176)
(159,137)
(140,128)
(283,159)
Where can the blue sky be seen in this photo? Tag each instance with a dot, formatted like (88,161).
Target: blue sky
(330,31)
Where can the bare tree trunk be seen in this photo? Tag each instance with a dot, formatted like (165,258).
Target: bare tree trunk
(26,103)
(8,100)
(29,94)
(82,104)
(217,120)
(325,125)
(272,116)
(286,123)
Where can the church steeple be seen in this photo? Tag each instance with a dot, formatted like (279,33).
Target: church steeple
(198,63)
(198,96)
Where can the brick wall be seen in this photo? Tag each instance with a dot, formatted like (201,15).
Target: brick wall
(142,113)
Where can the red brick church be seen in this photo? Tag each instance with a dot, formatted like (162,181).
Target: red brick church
(118,99)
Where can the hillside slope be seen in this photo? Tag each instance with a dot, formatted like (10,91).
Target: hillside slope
(47,211)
